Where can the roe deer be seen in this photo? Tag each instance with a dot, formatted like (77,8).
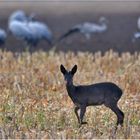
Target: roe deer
(106,93)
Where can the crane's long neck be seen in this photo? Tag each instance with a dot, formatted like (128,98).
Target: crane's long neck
(103,26)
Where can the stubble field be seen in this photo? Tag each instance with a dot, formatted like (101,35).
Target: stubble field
(34,102)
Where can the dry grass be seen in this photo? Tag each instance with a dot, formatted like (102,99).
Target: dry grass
(34,101)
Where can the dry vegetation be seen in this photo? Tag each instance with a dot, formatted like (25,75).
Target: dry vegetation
(34,101)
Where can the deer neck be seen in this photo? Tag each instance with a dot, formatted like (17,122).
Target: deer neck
(70,89)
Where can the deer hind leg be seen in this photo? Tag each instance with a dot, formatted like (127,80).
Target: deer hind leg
(119,113)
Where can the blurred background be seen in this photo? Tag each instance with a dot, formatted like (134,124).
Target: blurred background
(60,16)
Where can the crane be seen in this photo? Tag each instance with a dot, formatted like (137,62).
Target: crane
(24,28)
(137,34)
(3,36)
(87,28)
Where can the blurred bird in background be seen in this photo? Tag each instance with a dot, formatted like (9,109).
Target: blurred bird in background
(3,36)
(137,34)
(87,28)
(40,31)
(28,29)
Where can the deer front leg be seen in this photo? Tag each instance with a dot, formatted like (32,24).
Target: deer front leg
(76,113)
(82,113)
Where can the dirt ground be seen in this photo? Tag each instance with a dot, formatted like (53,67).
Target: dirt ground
(60,16)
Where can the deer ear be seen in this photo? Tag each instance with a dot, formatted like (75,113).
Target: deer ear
(63,70)
(74,69)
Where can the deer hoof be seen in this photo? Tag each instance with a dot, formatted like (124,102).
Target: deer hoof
(84,123)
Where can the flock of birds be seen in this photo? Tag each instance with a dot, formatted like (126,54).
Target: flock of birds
(31,31)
